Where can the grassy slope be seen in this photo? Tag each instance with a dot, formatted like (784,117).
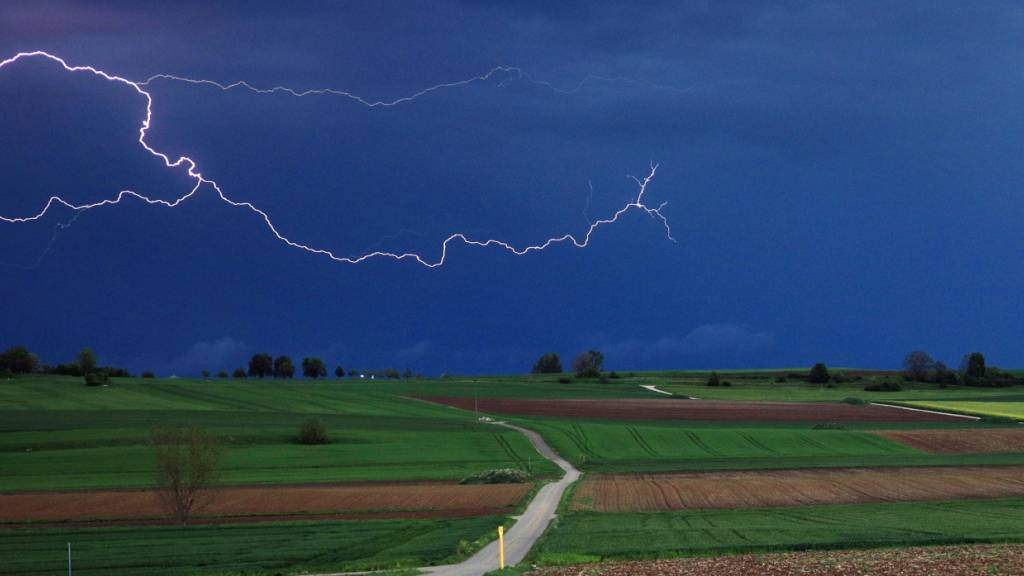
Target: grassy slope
(585,536)
(245,548)
(615,446)
(56,433)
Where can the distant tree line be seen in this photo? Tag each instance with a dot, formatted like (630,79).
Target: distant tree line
(17,360)
(263,365)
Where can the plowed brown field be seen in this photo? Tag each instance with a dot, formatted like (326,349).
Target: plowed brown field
(670,409)
(397,500)
(978,440)
(652,492)
(937,561)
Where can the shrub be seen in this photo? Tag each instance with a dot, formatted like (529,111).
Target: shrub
(148,375)
(222,374)
(565,380)
(714,380)
(238,373)
(499,476)
(828,426)
(883,387)
(780,379)
(97,379)
(549,363)
(313,432)
(854,401)
(818,374)
(614,375)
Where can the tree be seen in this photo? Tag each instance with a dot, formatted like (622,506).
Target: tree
(917,365)
(313,367)
(87,360)
(313,432)
(407,374)
(206,373)
(283,367)
(973,365)
(261,365)
(222,374)
(186,465)
(18,360)
(588,364)
(549,363)
(339,372)
(819,374)
(714,379)
(238,373)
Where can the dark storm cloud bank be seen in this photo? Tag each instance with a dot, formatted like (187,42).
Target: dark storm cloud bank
(845,174)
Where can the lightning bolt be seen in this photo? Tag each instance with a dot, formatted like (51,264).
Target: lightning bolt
(201,181)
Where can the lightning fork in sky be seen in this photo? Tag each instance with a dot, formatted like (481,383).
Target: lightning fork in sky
(193,172)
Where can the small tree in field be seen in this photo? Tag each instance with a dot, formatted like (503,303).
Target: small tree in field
(261,365)
(339,372)
(222,374)
(819,374)
(238,373)
(186,465)
(313,432)
(87,360)
(588,364)
(917,365)
(973,365)
(549,363)
(283,367)
(313,367)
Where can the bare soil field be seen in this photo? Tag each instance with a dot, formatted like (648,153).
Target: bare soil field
(975,441)
(753,489)
(932,561)
(374,500)
(672,409)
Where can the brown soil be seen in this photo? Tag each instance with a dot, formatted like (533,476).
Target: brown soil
(672,409)
(978,440)
(751,489)
(241,503)
(937,561)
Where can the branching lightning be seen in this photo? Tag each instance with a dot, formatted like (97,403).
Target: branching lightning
(201,181)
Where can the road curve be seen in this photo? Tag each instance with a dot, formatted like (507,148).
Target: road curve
(530,526)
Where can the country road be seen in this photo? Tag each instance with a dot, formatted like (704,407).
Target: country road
(530,526)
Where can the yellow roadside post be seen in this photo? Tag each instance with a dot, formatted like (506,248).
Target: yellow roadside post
(501,547)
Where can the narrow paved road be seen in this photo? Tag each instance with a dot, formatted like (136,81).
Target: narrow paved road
(524,534)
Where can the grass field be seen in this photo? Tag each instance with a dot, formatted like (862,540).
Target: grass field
(1009,407)
(58,434)
(97,437)
(273,548)
(615,446)
(591,536)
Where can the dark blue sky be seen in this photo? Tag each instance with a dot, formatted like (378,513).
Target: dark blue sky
(844,181)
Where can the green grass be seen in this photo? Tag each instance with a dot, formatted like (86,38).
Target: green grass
(97,437)
(661,446)
(1007,408)
(260,548)
(664,534)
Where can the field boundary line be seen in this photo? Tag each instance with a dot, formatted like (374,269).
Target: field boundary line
(654,388)
(953,414)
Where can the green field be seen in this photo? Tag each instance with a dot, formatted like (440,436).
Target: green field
(591,536)
(58,434)
(1009,407)
(662,446)
(261,548)
(97,437)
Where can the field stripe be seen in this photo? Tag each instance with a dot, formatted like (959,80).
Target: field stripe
(927,411)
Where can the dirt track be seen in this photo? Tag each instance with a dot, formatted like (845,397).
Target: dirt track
(973,441)
(671,409)
(354,500)
(703,490)
(937,561)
